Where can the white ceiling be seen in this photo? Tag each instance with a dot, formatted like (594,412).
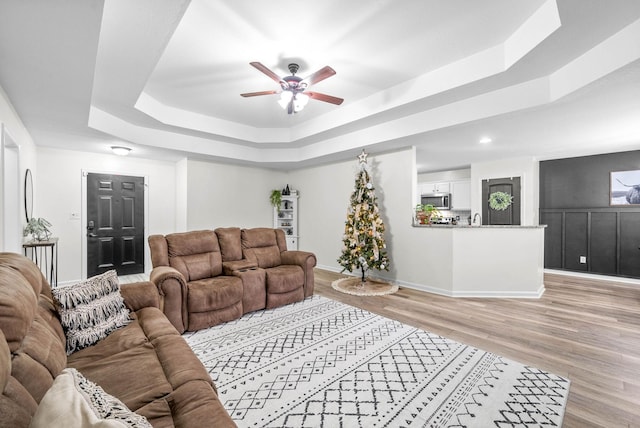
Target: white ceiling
(542,78)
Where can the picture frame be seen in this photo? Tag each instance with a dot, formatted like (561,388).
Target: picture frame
(624,188)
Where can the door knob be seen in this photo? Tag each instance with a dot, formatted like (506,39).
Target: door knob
(92,235)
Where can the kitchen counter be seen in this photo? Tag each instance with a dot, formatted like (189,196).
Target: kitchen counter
(478,261)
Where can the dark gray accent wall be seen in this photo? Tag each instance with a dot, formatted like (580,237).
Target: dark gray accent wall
(582,182)
(574,204)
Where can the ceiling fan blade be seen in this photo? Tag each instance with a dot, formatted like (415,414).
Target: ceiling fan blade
(266,71)
(255,94)
(324,97)
(319,75)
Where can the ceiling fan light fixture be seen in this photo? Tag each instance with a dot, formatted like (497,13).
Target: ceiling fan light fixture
(300,100)
(292,99)
(285,98)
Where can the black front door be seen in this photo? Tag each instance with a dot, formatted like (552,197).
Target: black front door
(115,224)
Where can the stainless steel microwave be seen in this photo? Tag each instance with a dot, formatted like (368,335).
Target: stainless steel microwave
(441,201)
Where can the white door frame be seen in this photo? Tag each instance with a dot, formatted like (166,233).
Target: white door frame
(10,193)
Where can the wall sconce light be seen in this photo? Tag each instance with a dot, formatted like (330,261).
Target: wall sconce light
(120,150)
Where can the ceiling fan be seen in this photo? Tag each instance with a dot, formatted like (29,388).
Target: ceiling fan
(293,93)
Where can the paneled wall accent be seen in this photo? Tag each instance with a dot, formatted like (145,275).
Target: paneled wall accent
(608,239)
(574,204)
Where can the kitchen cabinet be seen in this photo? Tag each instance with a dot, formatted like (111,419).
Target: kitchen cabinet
(460,192)
(285,217)
(435,187)
(461,195)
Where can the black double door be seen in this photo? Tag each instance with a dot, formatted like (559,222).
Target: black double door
(115,224)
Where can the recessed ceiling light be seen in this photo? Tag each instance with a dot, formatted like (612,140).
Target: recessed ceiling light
(485,140)
(120,150)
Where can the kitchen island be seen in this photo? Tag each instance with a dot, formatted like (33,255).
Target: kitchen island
(480,261)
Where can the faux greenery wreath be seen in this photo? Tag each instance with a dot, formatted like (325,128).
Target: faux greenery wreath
(500,201)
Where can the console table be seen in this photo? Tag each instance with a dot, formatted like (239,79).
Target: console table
(45,255)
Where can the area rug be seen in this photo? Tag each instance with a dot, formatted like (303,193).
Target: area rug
(370,287)
(320,363)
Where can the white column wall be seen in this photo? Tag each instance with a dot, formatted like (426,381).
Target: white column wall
(525,168)
(27,156)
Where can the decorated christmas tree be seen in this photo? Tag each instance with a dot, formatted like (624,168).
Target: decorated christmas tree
(363,240)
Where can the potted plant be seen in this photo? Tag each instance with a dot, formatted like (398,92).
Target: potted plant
(38,228)
(425,213)
(276,198)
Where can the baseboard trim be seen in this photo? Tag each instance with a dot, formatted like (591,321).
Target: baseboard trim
(585,275)
(449,293)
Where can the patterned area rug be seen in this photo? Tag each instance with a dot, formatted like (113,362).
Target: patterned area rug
(320,363)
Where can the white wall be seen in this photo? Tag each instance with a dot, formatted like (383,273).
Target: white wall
(525,168)
(25,156)
(59,183)
(453,175)
(222,195)
(181,195)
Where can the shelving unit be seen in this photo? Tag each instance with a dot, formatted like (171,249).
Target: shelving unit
(285,217)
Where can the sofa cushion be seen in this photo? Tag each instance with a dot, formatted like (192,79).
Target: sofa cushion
(33,347)
(285,278)
(195,405)
(90,310)
(230,242)
(267,257)
(17,306)
(214,293)
(125,364)
(260,245)
(75,401)
(196,255)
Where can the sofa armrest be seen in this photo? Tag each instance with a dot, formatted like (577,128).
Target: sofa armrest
(306,261)
(172,289)
(138,295)
(229,267)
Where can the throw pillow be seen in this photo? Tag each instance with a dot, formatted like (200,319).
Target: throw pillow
(90,310)
(75,401)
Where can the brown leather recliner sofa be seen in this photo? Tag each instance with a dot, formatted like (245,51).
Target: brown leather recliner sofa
(146,364)
(207,277)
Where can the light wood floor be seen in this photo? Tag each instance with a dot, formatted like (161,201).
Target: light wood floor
(585,330)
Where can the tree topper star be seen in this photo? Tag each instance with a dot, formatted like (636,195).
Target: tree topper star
(362,157)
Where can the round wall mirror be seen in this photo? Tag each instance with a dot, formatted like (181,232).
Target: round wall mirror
(28,195)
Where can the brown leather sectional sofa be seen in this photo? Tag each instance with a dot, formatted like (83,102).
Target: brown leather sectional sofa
(207,277)
(146,364)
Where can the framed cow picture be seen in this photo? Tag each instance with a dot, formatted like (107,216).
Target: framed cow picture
(624,188)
